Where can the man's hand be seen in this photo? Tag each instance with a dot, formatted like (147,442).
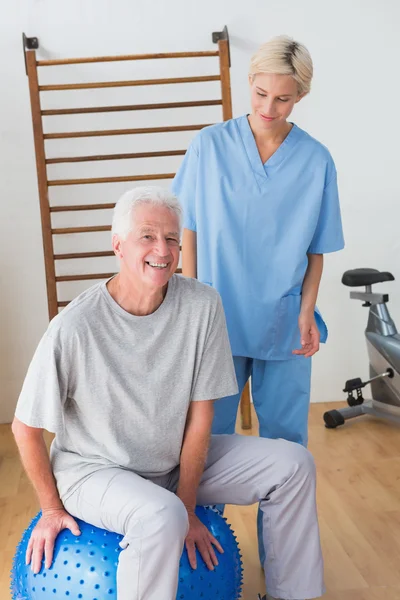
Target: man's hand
(309,336)
(44,534)
(199,537)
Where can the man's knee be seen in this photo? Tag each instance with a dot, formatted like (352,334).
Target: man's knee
(166,518)
(175,518)
(298,460)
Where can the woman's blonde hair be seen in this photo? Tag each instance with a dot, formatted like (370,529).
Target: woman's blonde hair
(283,56)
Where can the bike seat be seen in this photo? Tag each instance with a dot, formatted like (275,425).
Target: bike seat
(359,277)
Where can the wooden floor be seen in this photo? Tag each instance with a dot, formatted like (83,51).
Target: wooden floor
(359,508)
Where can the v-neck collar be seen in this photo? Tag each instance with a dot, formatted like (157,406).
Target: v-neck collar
(252,151)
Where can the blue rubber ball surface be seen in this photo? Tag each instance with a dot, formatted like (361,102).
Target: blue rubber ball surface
(84,567)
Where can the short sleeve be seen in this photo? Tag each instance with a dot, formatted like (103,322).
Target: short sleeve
(184,187)
(216,375)
(44,391)
(328,236)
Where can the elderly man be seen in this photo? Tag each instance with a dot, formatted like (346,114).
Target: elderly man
(126,377)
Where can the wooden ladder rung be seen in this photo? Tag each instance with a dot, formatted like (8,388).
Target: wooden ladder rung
(74,207)
(93,229)
(98,157)
(84,277)
(107,132)
(90,180)
(107,109)
(137,82)
(99,59)
(156,176)
(83,255)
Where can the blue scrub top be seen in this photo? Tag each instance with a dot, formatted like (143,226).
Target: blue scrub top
(255,224)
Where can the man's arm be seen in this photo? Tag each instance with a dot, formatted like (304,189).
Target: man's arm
(193,458)
(189,253)
(35,459)
(194,451)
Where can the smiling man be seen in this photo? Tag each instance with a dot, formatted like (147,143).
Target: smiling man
(126,377)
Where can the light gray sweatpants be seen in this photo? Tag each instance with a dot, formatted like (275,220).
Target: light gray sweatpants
(240,470)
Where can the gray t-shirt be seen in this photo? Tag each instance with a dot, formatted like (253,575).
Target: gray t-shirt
(116,388)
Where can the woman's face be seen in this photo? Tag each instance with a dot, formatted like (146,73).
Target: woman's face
(272,99)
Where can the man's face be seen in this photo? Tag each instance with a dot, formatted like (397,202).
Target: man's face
(150,254)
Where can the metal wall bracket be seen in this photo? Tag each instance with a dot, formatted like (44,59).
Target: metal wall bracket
(222,35)
(29,43)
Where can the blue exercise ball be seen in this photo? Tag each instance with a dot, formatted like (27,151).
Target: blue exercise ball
(84,567)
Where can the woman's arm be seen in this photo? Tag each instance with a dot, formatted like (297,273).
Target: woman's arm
(311,283)
(309,333)
(189,253)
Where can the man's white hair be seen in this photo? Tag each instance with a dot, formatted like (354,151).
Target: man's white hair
(154,195)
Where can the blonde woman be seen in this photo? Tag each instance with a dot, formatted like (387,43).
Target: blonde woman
(261,208)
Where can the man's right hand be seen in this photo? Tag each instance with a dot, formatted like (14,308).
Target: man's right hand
(44,535)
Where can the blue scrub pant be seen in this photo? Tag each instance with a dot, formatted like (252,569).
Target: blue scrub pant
(281,397)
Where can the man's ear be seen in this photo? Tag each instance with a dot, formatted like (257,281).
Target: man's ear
(117,246)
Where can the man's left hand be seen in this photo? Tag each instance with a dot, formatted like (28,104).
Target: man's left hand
(199,537)
(309,336)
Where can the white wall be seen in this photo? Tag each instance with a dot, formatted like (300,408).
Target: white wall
(352,109)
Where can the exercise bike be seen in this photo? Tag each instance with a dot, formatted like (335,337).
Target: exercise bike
(383,344)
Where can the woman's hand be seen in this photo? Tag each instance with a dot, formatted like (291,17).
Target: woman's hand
(44,534)
(199,537)
(309,335)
